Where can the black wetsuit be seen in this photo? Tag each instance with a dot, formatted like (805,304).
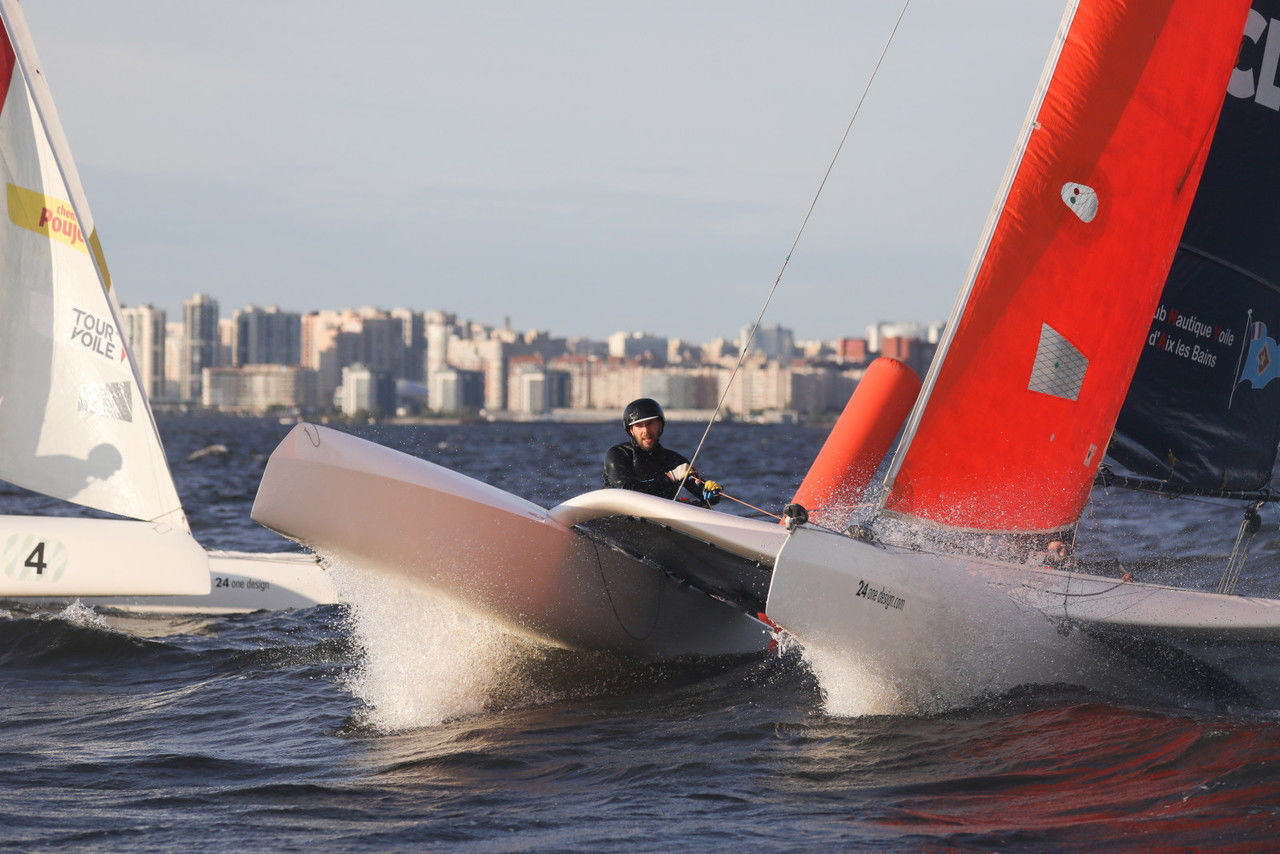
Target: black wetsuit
(628,466)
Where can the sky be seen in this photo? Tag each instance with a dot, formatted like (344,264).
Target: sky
(577,167)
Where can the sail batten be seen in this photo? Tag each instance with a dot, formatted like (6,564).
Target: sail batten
(1254,277)
(1019,409)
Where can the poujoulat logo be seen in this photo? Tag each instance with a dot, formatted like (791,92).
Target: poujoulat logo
(45,215)
(63,222)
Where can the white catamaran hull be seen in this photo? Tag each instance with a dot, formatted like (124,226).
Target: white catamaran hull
(55,556)
(944,627)
(238,583)
(494,553)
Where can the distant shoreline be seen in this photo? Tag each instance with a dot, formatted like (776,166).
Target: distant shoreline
(556,416)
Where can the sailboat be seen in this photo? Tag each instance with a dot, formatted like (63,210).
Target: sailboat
(962,580)
(76,422)
(964,574)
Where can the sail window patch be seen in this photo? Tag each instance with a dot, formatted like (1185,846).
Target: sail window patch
(1080,200)
(1059,367)
(113,400)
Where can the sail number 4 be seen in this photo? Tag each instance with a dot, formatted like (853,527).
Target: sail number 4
(36,560)
(25,556)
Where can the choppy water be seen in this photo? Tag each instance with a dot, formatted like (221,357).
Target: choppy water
(419,727)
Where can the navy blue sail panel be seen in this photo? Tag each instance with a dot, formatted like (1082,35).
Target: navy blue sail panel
(1203,411)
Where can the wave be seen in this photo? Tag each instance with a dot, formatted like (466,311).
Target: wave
(74,636)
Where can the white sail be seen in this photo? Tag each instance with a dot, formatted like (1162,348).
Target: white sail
(74,422)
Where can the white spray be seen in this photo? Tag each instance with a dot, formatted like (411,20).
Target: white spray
(848,689)
(422,661)
(80,614)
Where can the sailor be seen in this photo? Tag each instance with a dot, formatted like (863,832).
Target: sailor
(644,465)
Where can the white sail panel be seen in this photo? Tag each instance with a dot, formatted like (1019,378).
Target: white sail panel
(74,423)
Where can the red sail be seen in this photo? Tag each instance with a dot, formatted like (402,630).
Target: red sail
(1019,411)
(7,61)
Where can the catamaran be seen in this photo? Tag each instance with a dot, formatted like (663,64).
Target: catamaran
(75,421)
(961,581)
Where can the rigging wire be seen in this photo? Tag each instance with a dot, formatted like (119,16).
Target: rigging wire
(724,494)
(787,260)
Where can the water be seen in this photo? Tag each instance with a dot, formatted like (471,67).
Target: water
(406,725)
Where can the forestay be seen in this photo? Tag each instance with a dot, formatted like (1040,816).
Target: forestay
(1022,398)
(74,422)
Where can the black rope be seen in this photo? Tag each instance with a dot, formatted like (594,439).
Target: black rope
(604,581)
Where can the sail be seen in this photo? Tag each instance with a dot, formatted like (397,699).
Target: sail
(1023,395)
(1203,412)
(74,421)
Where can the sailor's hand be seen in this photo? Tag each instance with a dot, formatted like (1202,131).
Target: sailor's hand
(678,473)
(711,492)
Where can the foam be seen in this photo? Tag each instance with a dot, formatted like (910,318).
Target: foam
(422,661)
(849,689)
(82,615)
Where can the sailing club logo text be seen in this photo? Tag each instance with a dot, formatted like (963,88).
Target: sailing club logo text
(1195,326)
(1244,83)
(1215,339)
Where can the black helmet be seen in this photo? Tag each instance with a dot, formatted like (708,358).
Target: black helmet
(643,409)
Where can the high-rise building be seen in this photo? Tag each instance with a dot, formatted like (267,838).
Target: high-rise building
(414,340)
(365,390)
(456,390)
(852,349)
(381,342)
(439,326)
(144,332)
(775,342)
(320,331)
(226,355)
(200,344)
(267,336)
(638,345)
(174,353)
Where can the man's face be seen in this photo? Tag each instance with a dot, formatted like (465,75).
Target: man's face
(646,433)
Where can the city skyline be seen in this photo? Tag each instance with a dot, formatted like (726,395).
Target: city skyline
(585,166)
(226,313)
(260,359)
